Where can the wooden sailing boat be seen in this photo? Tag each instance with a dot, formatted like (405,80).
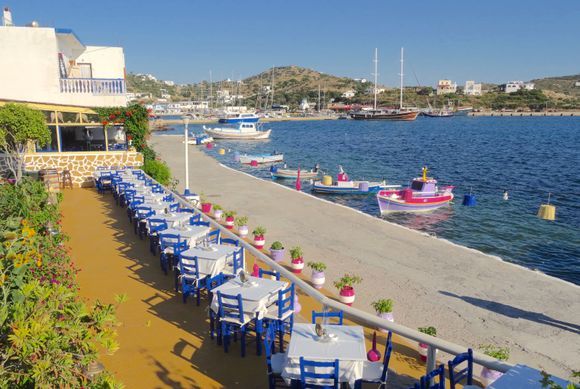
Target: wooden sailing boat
(380,114)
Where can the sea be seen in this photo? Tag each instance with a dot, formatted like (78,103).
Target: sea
(532,158)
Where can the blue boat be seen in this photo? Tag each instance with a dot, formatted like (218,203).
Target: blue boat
(240,118)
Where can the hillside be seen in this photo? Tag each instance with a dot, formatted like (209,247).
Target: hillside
(563,85)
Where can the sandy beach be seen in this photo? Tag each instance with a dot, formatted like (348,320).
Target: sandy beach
(470,297)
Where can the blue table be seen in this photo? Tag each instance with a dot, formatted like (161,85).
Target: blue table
(523,377)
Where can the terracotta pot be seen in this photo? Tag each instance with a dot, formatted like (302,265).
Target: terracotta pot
(217,214)
(230,222)
(317,278)
(243,231)
(488,376)
(423,349)
(259,241)
(347,295)
(297,265)
(277,255)
(387,316)
(206,207)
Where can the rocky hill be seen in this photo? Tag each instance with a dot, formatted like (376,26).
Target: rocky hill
(564,85)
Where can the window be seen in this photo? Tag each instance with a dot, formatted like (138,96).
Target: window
(81,138)
(52,146)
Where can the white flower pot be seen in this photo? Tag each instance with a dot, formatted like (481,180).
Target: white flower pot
(217,214)
(243,231)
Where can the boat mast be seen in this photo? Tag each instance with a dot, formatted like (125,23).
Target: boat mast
(401,94)
(210,91)
(318,97)
(272,86)
(376,60)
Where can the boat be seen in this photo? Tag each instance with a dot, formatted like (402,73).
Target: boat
(439,113)
(284,172)
(401,113)
(463,111)
(343,185)
(244,131)
(422,195)
(261,158)
(199,139)
(239,118)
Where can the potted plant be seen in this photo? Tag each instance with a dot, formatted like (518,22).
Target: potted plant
(229,219)
(423,348)
(205,205)
(277,251)
(384,309)
(259,240)
(345,286)
(217,212)
(242,224)
(317,278)
(501,353)
(297,262)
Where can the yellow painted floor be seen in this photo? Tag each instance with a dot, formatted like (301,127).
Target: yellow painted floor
(163,342)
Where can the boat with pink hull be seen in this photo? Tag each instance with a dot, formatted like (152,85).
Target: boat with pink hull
(422,195)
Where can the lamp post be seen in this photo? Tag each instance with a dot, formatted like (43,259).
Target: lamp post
(186,145)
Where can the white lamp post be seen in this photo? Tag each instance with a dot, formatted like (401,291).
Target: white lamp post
(186,145)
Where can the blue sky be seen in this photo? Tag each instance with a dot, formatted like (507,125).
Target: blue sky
(181,40)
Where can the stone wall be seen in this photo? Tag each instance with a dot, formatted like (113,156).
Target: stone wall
(82,164)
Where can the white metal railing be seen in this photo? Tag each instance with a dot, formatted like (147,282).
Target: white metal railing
(94,86)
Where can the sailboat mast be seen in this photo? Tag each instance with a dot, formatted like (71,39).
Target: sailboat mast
(376,75)
(401,94)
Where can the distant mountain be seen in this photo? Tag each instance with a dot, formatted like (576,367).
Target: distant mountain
(565,85)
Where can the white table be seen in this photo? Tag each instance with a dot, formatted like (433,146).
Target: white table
(256,296)
(211,262)
(348,347)
(177,219)
(192,233)
(159,208)
(522,377)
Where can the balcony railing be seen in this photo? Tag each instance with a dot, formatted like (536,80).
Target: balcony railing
(94,86)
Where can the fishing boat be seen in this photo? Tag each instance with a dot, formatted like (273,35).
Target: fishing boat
(439,113)
(261,158)
(199,139)
(244,131)
(239,118)
(403,114)
(463,111)
(284,172)
(343,185)
(422,195)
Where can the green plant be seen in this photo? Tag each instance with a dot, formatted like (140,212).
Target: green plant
(19,125)
(501,353)
(242,221)
(347,280)
(317,266)
(229,214)
(158,170)
(383,305)
(277,245)
(296,252)
(259,231)
(432,331)
(548,382)
(217,207)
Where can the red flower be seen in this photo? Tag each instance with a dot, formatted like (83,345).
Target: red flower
(112,117)
(105,122)
(129,113)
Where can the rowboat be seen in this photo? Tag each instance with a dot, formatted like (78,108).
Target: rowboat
(261,158)
(343,185)
(443,113)
(422,195)
(244,131)
(282,173)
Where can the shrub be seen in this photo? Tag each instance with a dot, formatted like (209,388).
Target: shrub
(347,280)
(158,170)
(501,353)
(383,305)
(229,214)
(317,266)
(259,231)
(242,221)
(296,252)
(432,331)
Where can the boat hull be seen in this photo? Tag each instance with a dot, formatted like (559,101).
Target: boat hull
(403,116)
(291,174)
(247,159)
(438,115)
(256,135)
(373,187)
(387,204)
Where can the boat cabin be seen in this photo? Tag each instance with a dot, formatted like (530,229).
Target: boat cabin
(426,186)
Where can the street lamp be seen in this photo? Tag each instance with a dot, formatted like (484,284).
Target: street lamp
(186,145)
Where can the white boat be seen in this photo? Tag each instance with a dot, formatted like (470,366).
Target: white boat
(199,139)
(261,158)
(244,131)
(284,172)
(240,117)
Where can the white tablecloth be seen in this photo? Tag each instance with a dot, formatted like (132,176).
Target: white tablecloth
(178,219)
(256,298)
(348,347)
(212,262)
(192,233)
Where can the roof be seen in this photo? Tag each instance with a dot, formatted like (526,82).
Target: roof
(70,36)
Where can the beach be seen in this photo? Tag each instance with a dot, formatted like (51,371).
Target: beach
(470,297)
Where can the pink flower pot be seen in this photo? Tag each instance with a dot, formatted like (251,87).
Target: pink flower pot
(230,222)
(277,255)
(297,265)
(347,295)
(259,241)
(488,376)
(243,231)
(206,207)
(217,214)
(387,316)
(317,278)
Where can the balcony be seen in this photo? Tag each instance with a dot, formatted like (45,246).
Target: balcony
(94,86)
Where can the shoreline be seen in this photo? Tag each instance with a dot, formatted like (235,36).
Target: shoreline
(471,299)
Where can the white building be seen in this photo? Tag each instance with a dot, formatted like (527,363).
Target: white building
(445,87)
(348,94)
(371,91)
(472,89)
(514,86)
(169,83)
(304,105)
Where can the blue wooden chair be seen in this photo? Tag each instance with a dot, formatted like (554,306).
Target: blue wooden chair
(214,236)
(210,284)
(274,361)
(169,198)
(281,314)
(155,227)
(127,196)
(465,373)
(134,201)
(173,207)
(272,273)
(170,246)
(229,241)
(329,314)
(377,372)
(184,210)
(140,215)
(309,378)
(232,320)
(189,278)
(435,379)
(198,222)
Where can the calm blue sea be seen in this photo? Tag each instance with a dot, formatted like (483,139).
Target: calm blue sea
(529,157)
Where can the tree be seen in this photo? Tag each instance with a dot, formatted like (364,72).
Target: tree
(19,127)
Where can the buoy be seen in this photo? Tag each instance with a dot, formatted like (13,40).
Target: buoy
(547,211)
(273,169)
(253,163)
(469,200)
(222,151)
(327,180)
(209,146)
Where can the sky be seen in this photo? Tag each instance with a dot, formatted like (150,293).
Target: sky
(182,40)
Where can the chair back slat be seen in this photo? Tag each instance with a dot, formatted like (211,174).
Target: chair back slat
(465,373)
(387,357)
(329,314)
(229,241)
(238,260)
(156,225)
(214,236)
(310,378)
(286,301)
(272,273)
(437,377)
(230,306)
(189,266)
